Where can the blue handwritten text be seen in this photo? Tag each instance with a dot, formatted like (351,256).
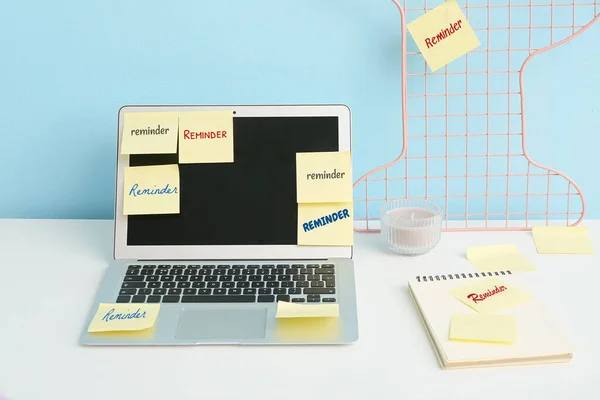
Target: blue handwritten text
(135,192)
(110,316)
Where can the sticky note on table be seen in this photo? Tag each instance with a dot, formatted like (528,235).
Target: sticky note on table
(295,310)
(562,240)
(124,317)
(489,295)
(206,137)
(325,224)
(151,190)
(443,34)
(149,133)
(498,258)
(324,177)
(498,328)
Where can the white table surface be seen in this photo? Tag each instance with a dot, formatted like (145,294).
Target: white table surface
(49,271)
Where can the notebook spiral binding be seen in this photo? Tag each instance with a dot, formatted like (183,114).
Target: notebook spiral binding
(432,278)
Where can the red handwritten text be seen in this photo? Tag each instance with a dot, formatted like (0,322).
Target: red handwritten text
(481,297)
(444,33)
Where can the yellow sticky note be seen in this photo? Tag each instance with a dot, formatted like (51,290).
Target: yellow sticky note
(295,310)
(324,177)
(498,258)
(562,240)
(151,190)
(489,295)
(483,328)
(149,133)
(443,34)
(325,224)
(206,137)
(124,317)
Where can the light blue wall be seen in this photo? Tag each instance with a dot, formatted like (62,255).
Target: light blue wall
(67,66)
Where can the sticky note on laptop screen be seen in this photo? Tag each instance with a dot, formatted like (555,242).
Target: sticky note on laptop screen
(443,35)
(149,133)
(325,224)
(206,137)
(124,317)
(324,177)
(151,190)
(498,328)
(489,295)
(562,240)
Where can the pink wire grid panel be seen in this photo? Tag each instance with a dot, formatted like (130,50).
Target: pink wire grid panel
(464,125)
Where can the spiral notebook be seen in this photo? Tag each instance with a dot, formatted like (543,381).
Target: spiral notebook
(539,337)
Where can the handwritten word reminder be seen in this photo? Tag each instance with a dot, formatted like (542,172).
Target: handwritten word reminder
(124,317)
(149,133)
(489,295)
(443,35)
(151,189)
(324,177)
(206,137)
(325,224)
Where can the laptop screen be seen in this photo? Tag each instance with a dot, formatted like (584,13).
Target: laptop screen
(251,201)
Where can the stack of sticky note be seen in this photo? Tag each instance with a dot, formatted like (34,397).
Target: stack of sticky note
(486,297)
(324,196)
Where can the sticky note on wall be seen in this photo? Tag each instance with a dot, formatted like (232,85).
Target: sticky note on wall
(124,317)
(483,328)
(324,177)
(151,190)
(149,133)
(443,34)
(206,137)
(325,224)
(489,295)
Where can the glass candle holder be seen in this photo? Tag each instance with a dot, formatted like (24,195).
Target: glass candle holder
(411,227)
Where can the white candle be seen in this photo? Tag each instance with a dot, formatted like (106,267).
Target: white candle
(410,229)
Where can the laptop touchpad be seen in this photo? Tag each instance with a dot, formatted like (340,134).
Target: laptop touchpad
(222,324)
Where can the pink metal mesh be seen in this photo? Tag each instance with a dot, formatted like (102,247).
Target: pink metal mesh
(454,118)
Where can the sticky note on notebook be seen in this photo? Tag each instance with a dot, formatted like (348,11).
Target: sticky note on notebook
(149,133)
(490,295)
(206,137)
(498,258)
(498,328)
(151,190)
(324,177)
(325,224)
(124,317)
(295,310)
(562,240)
(443,34)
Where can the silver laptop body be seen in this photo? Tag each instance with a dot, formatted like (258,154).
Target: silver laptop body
(143,249)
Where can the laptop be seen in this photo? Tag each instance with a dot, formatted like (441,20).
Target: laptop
(220,267)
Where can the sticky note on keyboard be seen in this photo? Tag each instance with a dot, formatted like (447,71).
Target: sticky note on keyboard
(483,328)
(295,310)
(489,295)
(562,240)
(151,190)
(206,137)
(324,177)
(325,224)
(124,317)
(498,258)
(149,133)
(443,34)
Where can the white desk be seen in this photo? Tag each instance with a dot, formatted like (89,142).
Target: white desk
(50,271)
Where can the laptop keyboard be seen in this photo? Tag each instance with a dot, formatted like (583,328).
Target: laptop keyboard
(266,283)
